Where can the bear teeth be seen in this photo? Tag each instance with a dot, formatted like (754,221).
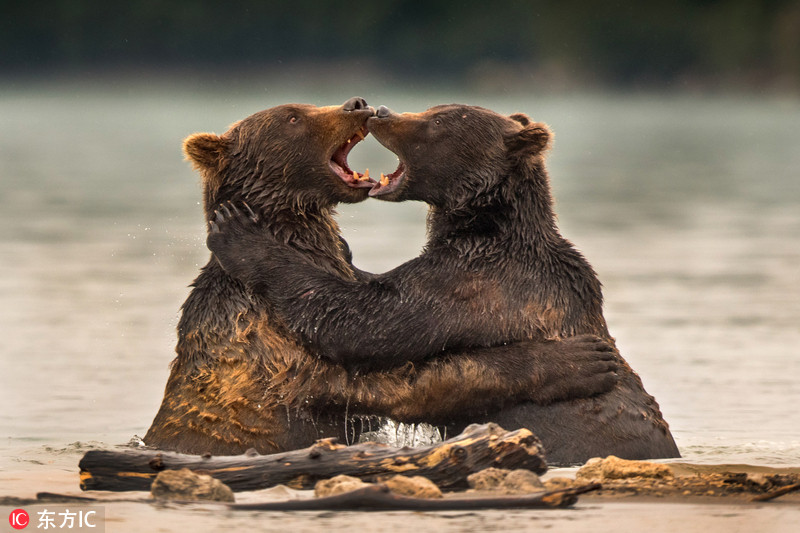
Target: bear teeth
(384,180)
(361,177)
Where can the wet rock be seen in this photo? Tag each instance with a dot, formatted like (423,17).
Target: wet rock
(337,485)
(759,481)
(488,479)
(518,481)
(521,481)
(416,487)
(187,485)
(612,468)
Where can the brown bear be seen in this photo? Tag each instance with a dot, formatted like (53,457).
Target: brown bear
(495,270)
(242,379)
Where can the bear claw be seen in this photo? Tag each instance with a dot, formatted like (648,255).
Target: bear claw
(227,212)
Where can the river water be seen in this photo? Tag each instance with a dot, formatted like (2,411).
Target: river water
(687,207)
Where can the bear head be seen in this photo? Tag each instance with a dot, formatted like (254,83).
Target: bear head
(452,154)
(292,156)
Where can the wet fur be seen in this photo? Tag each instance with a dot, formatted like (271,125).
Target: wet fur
(495,270)
(241,378)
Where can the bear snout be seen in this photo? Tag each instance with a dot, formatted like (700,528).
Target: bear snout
(383,112)
(355,103)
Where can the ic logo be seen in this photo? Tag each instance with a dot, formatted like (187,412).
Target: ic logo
(18,519)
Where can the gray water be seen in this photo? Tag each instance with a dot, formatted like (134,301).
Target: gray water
(687,207)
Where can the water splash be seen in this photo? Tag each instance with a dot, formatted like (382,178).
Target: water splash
(399,435)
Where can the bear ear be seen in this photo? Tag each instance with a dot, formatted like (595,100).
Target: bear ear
(521,118)
(533,139)
(206,150)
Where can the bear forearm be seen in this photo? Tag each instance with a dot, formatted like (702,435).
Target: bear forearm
(357,325)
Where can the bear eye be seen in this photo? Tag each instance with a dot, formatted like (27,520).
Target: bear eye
(438,122)
(292,120)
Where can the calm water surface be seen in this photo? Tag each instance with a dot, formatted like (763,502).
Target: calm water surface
(688,208)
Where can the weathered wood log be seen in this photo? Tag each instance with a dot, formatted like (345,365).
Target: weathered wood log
(378,498)
(777,492)
(447,463)
(369,498)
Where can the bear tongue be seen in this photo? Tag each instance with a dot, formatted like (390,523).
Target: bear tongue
(351,177)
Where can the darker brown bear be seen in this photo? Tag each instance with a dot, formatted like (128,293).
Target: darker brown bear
(241,378)
(495,270)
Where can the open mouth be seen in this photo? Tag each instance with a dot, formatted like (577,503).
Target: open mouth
(389,182)
(339,166)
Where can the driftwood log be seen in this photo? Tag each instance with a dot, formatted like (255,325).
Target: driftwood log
(777,492)
(369,498)
(379,498)
(447,463)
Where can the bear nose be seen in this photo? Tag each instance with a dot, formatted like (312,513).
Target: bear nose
(383,112)
(355,103)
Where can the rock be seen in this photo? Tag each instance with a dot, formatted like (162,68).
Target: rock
(487,479)
(521,481)
(612,467)
(187,485)
(759,481)
(416,487)
(337,485)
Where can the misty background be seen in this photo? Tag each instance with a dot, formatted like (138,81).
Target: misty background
(675,168)
(555,44)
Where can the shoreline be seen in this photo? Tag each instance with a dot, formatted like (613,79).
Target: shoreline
(690,484)
(609,510)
